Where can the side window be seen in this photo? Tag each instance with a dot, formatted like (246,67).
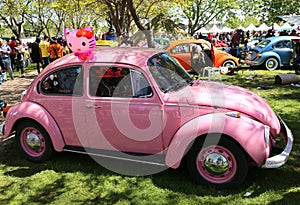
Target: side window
(68,81)
(183,48)
(141,87)
(283,44)
(117,82)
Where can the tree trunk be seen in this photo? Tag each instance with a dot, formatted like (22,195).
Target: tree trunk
(136,19)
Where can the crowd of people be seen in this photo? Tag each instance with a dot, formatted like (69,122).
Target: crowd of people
(15,56)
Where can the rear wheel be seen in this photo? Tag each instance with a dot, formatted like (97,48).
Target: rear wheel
(272,63)
(229,64)
(33,141)
(223,165)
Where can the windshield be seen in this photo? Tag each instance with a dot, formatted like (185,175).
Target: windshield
(264,43)
(168,74)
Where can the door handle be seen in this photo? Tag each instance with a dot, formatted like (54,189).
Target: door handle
(93,106)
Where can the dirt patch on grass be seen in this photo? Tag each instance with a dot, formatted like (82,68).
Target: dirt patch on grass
(10,90)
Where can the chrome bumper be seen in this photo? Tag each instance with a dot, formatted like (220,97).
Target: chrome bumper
(281,159)
(2,128)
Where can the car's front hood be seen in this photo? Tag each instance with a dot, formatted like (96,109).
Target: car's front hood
(232,98)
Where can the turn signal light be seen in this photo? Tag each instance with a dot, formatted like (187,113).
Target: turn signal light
(5,110)
(234,114)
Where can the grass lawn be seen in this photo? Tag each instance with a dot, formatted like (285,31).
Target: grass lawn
(77,179)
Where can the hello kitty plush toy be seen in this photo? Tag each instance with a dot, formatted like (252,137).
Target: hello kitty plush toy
(82,42)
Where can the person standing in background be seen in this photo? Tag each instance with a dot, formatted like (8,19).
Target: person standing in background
(5,52)
(12,44)
(55,50)
(44,51)
(36,54)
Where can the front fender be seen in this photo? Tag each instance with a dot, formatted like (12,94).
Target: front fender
(245,131)
(30,110)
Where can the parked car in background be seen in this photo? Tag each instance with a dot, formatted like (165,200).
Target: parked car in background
(194,54)
(274,52)
(130,103)
(106,43)
(253,42)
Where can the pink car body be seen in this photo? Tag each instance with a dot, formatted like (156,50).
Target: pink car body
(165,120)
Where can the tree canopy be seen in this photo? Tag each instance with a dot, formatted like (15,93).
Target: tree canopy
(36,17)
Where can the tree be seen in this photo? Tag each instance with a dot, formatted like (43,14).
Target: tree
(74,13)
(38,17)
(13,14)
(118,15)
(270,11)
(199,13)
(151,11)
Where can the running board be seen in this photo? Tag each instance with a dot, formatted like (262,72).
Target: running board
(131,158)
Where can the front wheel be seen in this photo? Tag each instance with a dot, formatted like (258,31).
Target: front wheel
(33,141)
(223,165)
(271,63)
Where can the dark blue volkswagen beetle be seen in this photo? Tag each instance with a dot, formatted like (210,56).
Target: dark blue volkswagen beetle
(274,52)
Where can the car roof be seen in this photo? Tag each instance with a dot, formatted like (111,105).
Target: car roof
(183,41)
(124,55)
(278,38)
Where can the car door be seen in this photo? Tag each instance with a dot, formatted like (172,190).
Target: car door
(63,97)
(123,112)
(284,50)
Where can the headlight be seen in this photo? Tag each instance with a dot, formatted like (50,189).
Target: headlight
(5,110)
(233,114)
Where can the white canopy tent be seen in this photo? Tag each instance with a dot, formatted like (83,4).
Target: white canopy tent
(226,29)
(241,28)
(286,26)
(202,30)
(276,27)
(263,27)
(214,29)
(251,27)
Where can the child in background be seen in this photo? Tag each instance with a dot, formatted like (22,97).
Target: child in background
(26,58)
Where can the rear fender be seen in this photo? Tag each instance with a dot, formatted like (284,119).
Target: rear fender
(30,110)
(249,134)
(269,54)
(225,58)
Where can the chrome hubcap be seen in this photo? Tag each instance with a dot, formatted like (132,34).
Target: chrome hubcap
(271,64)
(216,164)
(33,142)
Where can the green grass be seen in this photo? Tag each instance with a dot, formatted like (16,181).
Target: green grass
(77,179)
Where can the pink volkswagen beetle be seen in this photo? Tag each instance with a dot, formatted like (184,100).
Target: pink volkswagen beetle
(127,103)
